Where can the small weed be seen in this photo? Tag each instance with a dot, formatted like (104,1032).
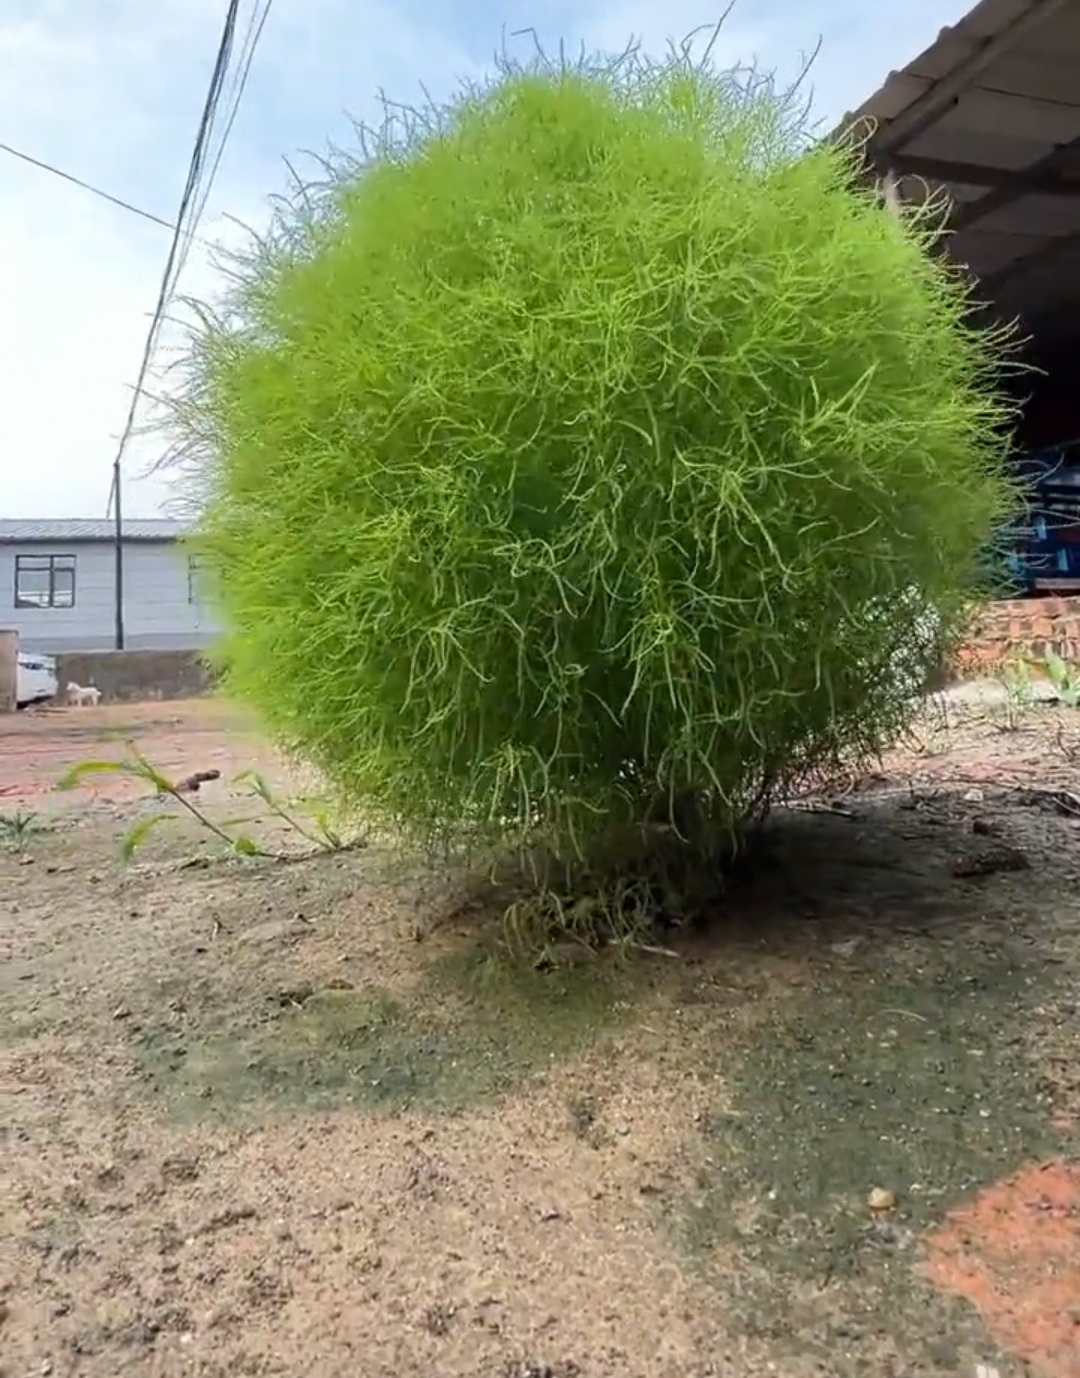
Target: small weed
(932,734)
(17,827)
(1015,677)
(135,765)
(583,1117)
(439,1319)
(1065,678)
(585,1121)
(138,767)
(322,834)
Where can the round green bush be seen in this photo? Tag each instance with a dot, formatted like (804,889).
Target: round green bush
(597,440)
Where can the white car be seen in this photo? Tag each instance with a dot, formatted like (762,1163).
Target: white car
(35,679)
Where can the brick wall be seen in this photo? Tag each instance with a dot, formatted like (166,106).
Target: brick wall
(1026,628)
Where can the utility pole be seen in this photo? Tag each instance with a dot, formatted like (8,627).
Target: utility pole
(118,554)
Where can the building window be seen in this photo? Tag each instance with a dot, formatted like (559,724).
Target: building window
(194,579)
(44,581)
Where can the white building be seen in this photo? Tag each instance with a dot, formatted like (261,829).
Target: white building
(58,586)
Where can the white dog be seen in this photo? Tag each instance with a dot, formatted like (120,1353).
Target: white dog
(83,698)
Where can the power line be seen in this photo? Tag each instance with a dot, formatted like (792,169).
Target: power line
(177,254)
(255,27)
(183,233)
(190,185)
(86,186)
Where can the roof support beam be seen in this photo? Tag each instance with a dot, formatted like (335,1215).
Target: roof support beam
(1060,160)
(1048,181)
(934,101)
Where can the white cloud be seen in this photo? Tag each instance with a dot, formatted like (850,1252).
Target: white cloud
(111,91)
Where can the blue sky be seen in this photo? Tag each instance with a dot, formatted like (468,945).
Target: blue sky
(111,90)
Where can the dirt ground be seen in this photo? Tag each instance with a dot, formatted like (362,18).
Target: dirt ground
(286,1115)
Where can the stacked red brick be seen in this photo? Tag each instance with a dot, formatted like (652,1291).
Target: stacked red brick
(1023,628)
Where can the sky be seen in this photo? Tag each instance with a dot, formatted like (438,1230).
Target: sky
(111,91)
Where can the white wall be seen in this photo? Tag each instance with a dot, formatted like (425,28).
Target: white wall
(157,613)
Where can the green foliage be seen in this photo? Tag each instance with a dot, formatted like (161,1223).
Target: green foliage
(136,765)
(1015,678)
(322,833)
(1065,678)
(593,442)
(17,827)
(323,836)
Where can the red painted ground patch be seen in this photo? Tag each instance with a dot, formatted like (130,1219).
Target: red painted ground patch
(39,747)
(1014,1254)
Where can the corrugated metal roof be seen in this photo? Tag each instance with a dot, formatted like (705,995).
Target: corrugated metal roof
(990,112)
(30,532)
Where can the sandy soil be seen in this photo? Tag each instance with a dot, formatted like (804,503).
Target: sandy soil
(287,1116)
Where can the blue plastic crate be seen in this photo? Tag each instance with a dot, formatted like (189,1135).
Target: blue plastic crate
(1045,544)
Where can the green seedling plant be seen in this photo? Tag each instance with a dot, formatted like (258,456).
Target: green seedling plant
(1015,679)
(932,732)
(1064,677)
(321,834)
(136,766)
(592,443)
(17,827)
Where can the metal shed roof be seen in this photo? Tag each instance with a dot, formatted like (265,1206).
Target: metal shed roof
(990,112)
(78,531)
